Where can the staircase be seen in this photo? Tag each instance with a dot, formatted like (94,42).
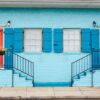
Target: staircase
(20,73)
(22,81)
(80,69)
(86,80)
(6,79)
(85,71)
(23,71)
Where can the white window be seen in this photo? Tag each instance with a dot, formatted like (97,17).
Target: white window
(32,40)
(72,40)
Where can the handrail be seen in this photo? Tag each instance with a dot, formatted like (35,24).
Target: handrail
(23,65)
(81,58)
(23,57)
(80,66)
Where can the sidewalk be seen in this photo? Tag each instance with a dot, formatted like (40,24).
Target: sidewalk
(51,93)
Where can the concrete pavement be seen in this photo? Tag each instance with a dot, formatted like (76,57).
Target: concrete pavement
(50,93)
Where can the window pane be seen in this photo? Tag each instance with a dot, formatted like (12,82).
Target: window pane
(27,42)
(71,38)
(34,41)
(27,48)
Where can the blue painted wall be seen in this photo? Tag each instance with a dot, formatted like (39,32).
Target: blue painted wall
(32,17)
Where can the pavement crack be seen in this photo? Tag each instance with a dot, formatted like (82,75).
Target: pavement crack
(53,91)
(26,91)
(80,90)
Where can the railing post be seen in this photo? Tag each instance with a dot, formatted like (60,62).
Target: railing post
(71,75)
(12,67)
(92,68)
(33,76)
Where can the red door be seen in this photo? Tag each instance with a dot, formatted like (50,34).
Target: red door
(1,46)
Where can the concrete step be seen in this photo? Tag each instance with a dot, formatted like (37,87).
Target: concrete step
(21,81)
(87,80)
(6,79)
(22,74)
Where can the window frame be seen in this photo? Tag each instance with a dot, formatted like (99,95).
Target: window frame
(30,40)
(80,40)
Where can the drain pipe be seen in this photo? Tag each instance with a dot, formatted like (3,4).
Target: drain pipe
(92,69)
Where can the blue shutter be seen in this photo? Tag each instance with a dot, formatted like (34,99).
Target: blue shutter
(95,46)
(95,38)
(8,43)
(86,40)
(96,59)
(18,40)
(8,38)
(58,40)
(47,40)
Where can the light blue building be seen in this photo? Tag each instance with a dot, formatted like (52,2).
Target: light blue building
(50,43)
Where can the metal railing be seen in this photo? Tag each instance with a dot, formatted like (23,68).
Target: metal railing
(23,65)
(80,66)
(15,62)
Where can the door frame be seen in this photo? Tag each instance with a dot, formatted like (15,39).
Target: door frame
(1,56)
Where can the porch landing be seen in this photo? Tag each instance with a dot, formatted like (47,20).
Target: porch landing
(50,93)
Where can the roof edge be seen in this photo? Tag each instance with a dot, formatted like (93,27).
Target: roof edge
(49,4)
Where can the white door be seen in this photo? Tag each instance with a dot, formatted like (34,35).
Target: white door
(72,40)
(32,40)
